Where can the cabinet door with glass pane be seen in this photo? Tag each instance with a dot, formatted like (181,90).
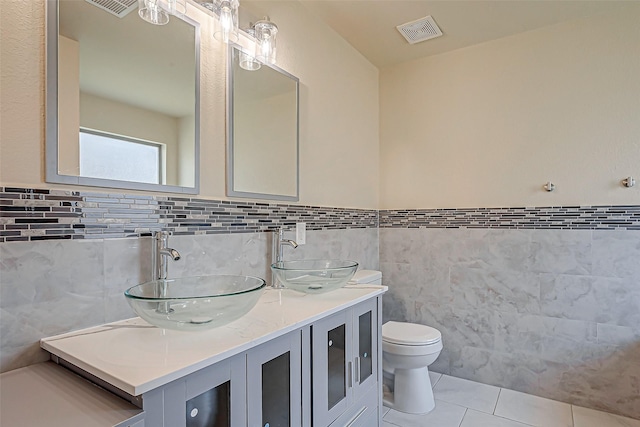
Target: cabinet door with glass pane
(212,397)
(331,367)
(344,350)
(274,383)
(365,346)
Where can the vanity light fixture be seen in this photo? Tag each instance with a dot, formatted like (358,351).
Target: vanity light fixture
(226,27)
(247,58)
(266,38)
(157,11)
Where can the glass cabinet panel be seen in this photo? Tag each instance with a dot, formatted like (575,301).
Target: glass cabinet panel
(211,408)
(365,360)
(274,382)
(336,363)
(276,392)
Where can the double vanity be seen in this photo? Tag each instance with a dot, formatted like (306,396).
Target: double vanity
(294,360)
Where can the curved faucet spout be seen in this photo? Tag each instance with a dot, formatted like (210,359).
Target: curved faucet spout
(288,242)
(171,253)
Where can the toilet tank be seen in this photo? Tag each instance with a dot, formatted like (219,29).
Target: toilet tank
(369,277)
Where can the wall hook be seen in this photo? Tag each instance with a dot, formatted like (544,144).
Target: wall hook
(629,182)
(549,186)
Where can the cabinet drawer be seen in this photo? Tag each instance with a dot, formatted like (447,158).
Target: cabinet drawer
(363,413)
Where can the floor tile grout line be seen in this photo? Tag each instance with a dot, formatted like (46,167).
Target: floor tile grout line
(463,415)
(573,417)
(437,381)
(496,405)
(515,421)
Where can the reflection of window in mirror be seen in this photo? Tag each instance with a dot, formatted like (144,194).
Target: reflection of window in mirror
(115,157)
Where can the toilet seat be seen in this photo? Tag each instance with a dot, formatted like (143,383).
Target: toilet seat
(409,334)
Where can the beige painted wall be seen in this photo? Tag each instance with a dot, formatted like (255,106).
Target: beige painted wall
(339,105)
(489,125)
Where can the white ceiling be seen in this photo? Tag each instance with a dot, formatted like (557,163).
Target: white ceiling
(370,26)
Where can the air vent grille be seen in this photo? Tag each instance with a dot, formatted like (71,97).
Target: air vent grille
(420,30)
(119,8)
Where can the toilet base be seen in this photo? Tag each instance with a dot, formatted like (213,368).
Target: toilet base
(412,391)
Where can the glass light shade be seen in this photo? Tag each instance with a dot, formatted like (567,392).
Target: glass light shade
(247,57)
(157,11)
(152,12)
(266,36)
(226,27)
(177,7)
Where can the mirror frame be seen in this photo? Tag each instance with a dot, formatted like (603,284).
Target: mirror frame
(230,124)
(52,174)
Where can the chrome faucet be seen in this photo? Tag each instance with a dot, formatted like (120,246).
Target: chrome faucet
(159,257)
(278,244)
(160,253)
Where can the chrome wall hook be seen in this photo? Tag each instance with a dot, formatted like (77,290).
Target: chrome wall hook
(549,186)
(629,182)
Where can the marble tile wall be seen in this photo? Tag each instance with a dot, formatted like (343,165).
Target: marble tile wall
(554,313)
(55,286)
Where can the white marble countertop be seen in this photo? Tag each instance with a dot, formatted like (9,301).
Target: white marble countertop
(137,357)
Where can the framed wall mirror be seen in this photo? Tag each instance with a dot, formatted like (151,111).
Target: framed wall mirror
(122,98)
(262,147)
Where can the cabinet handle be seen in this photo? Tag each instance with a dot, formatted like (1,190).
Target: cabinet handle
(358,370)
(350,373)
(358,415)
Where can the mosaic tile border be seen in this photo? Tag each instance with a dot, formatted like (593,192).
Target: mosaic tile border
(28,214)
(560,217)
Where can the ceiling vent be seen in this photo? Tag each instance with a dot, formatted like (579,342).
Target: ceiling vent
(119,8)
(420,30)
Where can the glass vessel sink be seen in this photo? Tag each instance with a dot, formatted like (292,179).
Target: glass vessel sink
(195,303)
(315,276)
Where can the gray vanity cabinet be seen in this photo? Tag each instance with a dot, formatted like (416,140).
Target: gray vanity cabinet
(274,391)
(258,388)
(311,370)
(211,397)
(345,369)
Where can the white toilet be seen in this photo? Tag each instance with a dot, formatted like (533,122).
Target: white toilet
(407,351)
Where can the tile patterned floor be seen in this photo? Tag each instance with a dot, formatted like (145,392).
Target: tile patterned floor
(463,403)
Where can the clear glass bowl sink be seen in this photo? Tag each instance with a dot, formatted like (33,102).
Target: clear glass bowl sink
(195,303)
(314,276)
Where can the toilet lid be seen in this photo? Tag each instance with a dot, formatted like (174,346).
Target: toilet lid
(409,333)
